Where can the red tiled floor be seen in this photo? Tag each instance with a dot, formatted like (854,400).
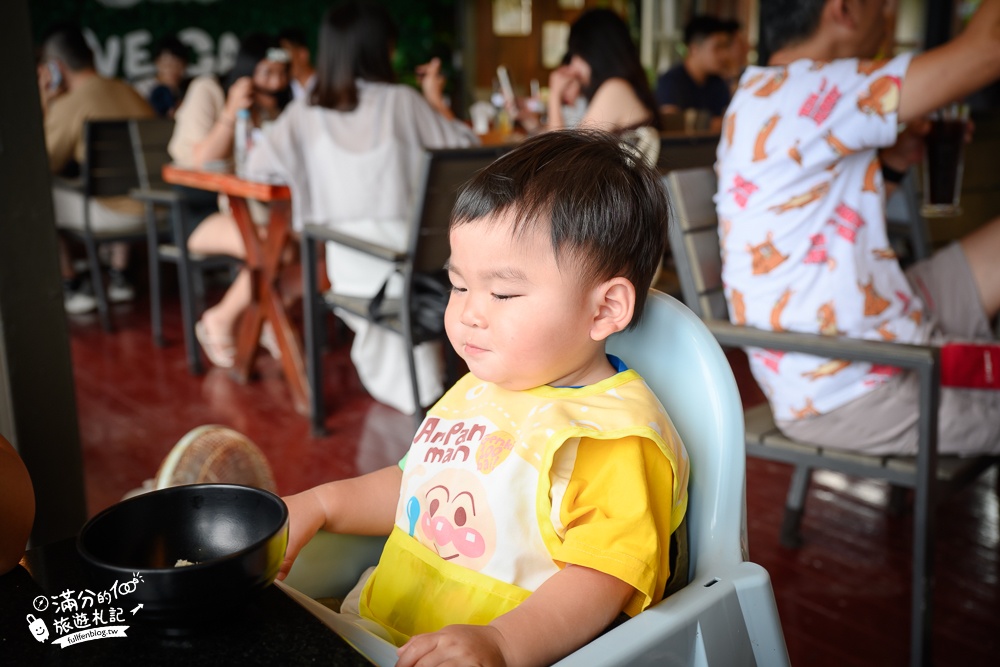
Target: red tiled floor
(843,597)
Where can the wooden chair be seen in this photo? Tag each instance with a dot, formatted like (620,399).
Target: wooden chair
(108,171)
(695,242)
(149,139)
(427,250)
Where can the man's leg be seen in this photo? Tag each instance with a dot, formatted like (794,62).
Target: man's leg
(982,248)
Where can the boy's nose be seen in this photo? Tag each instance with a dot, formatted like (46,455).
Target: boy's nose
(472,314)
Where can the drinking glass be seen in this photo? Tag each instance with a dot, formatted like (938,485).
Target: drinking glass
(943,161)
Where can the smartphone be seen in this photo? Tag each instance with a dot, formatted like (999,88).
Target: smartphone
(55,75)
(505,87)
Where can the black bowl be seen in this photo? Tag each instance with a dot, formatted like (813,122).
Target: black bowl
(235,535)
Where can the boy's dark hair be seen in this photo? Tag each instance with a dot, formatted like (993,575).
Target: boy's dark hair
(174,46)
(606,210)
(602,39)
(355,42)
(701,27)
(66,42)
(787,22)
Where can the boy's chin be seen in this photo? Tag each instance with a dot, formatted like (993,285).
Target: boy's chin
(508,384)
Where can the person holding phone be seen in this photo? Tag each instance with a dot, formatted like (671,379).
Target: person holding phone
(604,62)
(71,93)
(204,132)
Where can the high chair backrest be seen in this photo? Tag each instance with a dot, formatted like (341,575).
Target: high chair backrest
(687,370)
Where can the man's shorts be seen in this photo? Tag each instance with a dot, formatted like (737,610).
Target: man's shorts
(884,421)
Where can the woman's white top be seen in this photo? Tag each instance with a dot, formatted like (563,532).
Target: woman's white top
(359,172)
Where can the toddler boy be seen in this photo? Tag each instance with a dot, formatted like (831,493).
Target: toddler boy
(543,489)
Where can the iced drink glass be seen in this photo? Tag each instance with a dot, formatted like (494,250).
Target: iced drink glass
(943,161)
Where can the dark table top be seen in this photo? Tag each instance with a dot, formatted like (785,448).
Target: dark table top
(270,629)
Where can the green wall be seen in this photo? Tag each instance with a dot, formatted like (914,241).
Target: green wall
(124,32)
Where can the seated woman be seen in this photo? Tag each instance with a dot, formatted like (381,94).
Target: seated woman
(603,63)
(352,155)
(166,88)
(203,134)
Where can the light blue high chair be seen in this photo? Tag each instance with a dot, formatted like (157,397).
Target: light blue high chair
(726,615)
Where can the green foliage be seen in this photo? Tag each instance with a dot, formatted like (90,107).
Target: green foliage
(426,28)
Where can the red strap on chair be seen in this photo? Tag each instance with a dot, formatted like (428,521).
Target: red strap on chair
(970,365)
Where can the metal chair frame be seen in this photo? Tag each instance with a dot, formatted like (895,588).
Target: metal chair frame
(108,171)
(149,139)
(427,251)
(695,242)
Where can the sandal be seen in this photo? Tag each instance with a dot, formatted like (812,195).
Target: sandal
(220,352)
(269,341)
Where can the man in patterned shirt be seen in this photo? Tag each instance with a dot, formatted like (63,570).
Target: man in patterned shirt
(810,148)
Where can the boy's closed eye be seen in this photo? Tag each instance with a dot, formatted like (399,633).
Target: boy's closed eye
(454,277)
(499,297)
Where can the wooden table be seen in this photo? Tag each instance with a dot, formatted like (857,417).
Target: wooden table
(263,260)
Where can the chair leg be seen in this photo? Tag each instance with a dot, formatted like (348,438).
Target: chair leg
(897,502)
(188,317)
(921,605)
(791,534)
(93,260)
(197,288)
(312,312)
(153,250)
(418,408)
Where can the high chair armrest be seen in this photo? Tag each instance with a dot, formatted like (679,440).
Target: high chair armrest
(330,564)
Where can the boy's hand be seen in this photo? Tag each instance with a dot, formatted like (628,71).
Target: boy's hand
(305,518)
(472,645)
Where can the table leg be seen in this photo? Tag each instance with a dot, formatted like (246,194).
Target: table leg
(248,335)
(264,263)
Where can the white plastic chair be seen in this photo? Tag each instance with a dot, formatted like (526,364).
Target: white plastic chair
(726,615)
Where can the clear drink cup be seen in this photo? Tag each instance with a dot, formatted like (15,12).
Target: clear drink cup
(944,159)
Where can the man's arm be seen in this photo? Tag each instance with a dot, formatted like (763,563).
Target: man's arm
(573,606)
(956,69)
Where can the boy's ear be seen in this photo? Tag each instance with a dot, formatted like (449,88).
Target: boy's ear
(615,304)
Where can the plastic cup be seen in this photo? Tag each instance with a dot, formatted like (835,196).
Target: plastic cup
(944,162)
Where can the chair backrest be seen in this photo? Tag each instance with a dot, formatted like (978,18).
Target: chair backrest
(694,240)
(109,168)
(694,235)
(685,151)
(445,171)
(902,214)
(685,367)
(149,139)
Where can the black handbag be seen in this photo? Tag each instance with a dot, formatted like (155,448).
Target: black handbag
(431,292)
